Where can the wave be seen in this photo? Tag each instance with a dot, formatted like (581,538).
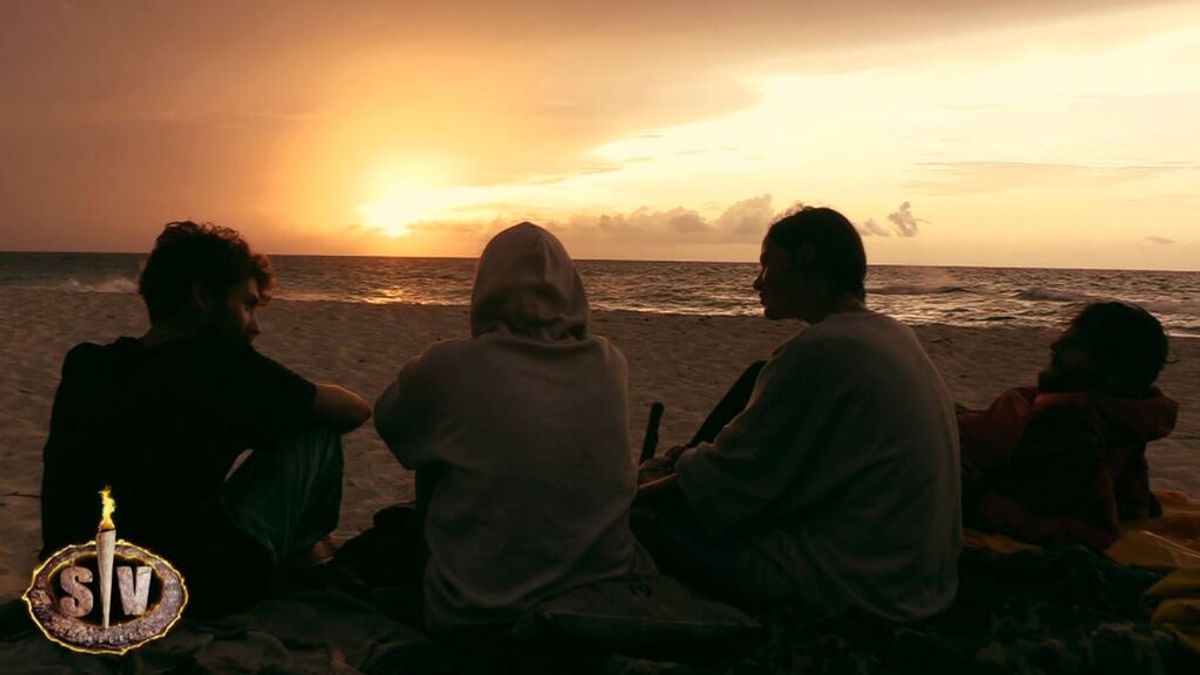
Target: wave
(1054,295)
(1188,307)
(916,289)
(114,285)
(303,296)
(1184,307)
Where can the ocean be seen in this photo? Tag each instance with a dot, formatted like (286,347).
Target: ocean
(958,296)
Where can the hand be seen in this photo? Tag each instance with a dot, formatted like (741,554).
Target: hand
(655,468)
(659,489)
(660,466)
(674,452)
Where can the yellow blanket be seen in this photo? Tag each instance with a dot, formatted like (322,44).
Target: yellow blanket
(1178,596)
(1164,544)
(1169,544)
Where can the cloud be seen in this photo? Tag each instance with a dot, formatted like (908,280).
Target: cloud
(683,220)
(749,216)
(904,224)
(907,225)
(1159,240)
(744,221)
(872,228)
(951,178)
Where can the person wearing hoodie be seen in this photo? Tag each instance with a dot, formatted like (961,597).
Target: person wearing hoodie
(1065,461)
(519,439)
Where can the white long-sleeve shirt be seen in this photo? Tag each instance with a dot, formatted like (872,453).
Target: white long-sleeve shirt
(844,468)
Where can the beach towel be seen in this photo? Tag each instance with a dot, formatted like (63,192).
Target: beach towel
(1166,543)
(1066,610)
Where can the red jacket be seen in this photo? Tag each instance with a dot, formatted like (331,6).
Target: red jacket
(1061,467)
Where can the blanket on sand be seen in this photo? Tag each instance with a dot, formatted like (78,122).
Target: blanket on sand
(1038,610)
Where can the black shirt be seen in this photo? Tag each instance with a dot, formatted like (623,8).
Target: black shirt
(162,425)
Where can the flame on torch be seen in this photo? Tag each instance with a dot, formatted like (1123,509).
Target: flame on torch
(106,542)
(107,506)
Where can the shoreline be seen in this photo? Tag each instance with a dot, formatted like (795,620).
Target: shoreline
(755,313)
(684,361)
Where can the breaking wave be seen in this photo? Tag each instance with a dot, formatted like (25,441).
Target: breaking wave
(917,289)
(1055,295)
(115,285)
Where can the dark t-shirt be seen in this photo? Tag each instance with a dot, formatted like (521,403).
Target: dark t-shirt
(163,425)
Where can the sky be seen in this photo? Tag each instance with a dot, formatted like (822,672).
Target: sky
(1005,133)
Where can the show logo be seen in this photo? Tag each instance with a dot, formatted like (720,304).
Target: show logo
(62,598)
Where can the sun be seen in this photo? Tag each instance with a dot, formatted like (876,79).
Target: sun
(408,202)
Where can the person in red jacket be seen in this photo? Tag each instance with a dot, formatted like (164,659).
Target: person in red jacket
(1065,461)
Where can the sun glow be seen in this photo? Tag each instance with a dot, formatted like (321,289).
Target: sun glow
(407,205)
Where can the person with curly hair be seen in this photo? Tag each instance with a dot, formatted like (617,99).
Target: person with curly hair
(163,418)
(1065,461)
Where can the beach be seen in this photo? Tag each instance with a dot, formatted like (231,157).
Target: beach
(684,361)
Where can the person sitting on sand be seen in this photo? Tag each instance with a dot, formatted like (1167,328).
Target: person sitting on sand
(520,442)
(1065,461)
(837,486)
(162,419)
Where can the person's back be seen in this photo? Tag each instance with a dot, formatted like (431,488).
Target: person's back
(162,425)
(162,418)
(870,465)
(525,428)
(837,486)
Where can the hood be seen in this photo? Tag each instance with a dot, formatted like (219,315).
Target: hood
(1148,419)
(526,283)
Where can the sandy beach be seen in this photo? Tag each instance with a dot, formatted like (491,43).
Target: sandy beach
(684,361)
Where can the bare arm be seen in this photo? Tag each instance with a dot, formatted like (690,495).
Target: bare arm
(340,406)
(659,488)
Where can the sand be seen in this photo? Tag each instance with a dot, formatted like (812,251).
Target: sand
(684,361)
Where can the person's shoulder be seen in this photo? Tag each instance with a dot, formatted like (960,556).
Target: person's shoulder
(448,349)
(862,329)
(835,331)
(218,360)
(442,354)
(867,322)
(86,355)
(810,349)
(606,346)
(85,351)
(851,336)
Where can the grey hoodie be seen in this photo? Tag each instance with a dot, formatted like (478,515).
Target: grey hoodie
(525,424)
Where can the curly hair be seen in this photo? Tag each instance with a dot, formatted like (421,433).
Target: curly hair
(189,254)
(1124,340)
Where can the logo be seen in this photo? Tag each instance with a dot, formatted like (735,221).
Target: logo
(71,597)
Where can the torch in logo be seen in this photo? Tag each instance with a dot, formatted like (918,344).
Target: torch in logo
(106,544)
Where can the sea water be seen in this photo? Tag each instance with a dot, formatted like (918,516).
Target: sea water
(958,296)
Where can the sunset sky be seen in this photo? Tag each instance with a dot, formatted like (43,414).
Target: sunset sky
(953,133)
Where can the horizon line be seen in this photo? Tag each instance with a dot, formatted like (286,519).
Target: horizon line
(646,260)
